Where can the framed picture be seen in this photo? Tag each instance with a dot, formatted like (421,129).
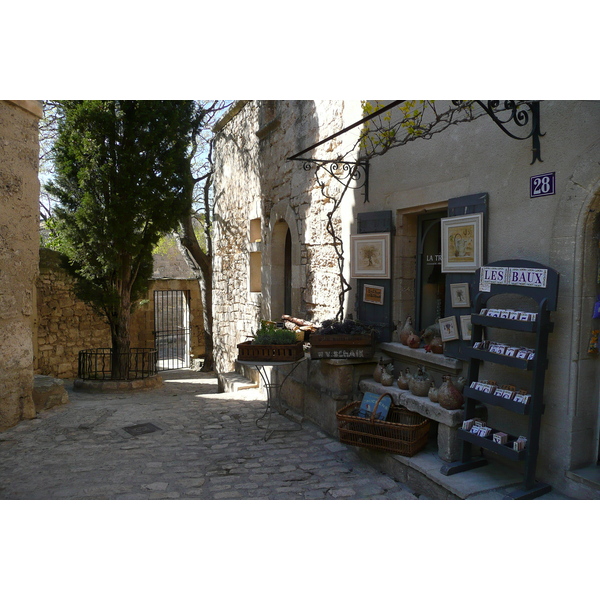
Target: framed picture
(370,256)
(459,294)
(462,243)
(448,329)
(465,327)
(373,294)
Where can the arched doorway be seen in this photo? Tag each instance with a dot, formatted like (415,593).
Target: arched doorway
(281,270)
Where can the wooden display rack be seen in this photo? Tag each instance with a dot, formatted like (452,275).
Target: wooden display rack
(546,299)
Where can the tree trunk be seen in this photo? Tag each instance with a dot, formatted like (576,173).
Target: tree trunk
(121,336)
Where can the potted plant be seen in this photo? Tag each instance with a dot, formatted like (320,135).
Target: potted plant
(271,343)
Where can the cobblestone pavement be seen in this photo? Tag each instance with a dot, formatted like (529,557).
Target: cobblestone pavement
(208,446)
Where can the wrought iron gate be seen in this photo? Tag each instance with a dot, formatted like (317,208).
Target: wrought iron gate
(172,328)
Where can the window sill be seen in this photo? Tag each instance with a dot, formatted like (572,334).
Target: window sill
(418,356)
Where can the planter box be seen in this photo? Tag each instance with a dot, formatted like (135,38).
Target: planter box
(341,345)
(336,340)
(271,353)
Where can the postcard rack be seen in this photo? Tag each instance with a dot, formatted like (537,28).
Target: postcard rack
(540,283)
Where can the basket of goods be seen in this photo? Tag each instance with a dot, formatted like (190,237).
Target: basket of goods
(377,424)
(271,344)
(342,339)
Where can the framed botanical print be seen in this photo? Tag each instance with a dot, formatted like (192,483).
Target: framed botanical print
(459,295)
(462,243)
(465,327)
(448,329)
(370,256)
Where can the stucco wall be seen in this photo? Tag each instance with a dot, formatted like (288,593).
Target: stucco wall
(19,243)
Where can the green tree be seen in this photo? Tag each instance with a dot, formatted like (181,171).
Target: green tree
(120,181)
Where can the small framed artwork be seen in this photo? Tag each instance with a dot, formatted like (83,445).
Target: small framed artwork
(465,327)
(373,294)
(448,329)
(462,243)
(370,256)
(459,294)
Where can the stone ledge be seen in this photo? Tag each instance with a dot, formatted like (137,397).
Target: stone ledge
(419,356)
(419,404)
(107,386)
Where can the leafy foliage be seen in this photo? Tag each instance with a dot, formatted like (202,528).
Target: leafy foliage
(269,334)
(347,326)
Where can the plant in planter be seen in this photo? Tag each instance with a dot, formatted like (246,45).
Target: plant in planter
(271,343)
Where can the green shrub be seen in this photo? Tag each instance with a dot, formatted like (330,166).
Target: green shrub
(269,334)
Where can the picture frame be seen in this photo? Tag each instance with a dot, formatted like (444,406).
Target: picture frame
(465,327)
(459,295)
(448,329)
(373,294)
(370,256)
(462,243)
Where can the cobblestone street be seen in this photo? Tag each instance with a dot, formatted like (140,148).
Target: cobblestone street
(207,446)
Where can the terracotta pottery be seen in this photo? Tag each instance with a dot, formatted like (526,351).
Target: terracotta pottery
(448,396)
(378,371)
(433,393)
(436,345)
(420,383)
(406,330)
(460,384)
(404,379)
(413,341)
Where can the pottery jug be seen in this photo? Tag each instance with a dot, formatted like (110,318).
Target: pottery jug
(420,383)
(413,341)
(448,396)
(404,379)
(378,371)
(436,345)
(433,393)
(387,377)
(406,330)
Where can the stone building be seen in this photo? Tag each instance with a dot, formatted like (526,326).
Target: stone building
(19,244)
(275,252)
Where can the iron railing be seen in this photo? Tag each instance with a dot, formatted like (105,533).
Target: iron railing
(101,363)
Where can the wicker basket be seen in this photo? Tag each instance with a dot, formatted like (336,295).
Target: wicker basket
(404,432)
(271,353)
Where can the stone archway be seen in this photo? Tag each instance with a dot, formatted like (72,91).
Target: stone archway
(574,253)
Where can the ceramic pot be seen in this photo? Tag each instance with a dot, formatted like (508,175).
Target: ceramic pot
(378,371)
(433,393)
(436,345)
(420,383)
(413,341)
(448,396)
(404,379)
(387,377)
(406,330)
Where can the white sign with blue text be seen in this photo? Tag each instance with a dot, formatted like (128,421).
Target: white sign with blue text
(521,276)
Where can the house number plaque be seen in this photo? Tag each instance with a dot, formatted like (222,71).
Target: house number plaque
(542,185)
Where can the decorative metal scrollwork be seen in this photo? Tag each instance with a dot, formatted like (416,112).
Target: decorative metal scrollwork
(349,174)
(522,113)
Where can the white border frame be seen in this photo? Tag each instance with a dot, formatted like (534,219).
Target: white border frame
(452,333)
(454,288)
(467,266)
(381,238)
(465,323)
(378,287)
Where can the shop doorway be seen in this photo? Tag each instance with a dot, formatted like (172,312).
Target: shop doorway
(172,328)
(281,271)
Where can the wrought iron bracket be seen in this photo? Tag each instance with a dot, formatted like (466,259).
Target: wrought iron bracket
(521,113)
(352,175)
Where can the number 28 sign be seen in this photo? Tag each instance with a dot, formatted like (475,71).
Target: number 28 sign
(542,185)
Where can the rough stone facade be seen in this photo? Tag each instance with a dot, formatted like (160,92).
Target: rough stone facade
(19,243)
(66,325)
(561,230)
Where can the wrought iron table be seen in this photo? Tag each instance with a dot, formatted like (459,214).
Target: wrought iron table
(273,391)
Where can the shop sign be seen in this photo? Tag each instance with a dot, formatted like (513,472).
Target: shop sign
(512,276)
(542,185)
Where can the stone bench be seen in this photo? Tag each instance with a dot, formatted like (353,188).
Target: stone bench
(449,446)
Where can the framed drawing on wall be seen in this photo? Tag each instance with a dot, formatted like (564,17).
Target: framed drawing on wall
(459,295)
(370,256)
(465,327)
(462,243)
(448,329)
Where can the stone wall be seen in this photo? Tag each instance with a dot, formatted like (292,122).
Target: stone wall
(67,325)
(254,181)
(19,243)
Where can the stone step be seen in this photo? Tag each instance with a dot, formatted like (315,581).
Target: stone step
(234,382)
(48,392)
